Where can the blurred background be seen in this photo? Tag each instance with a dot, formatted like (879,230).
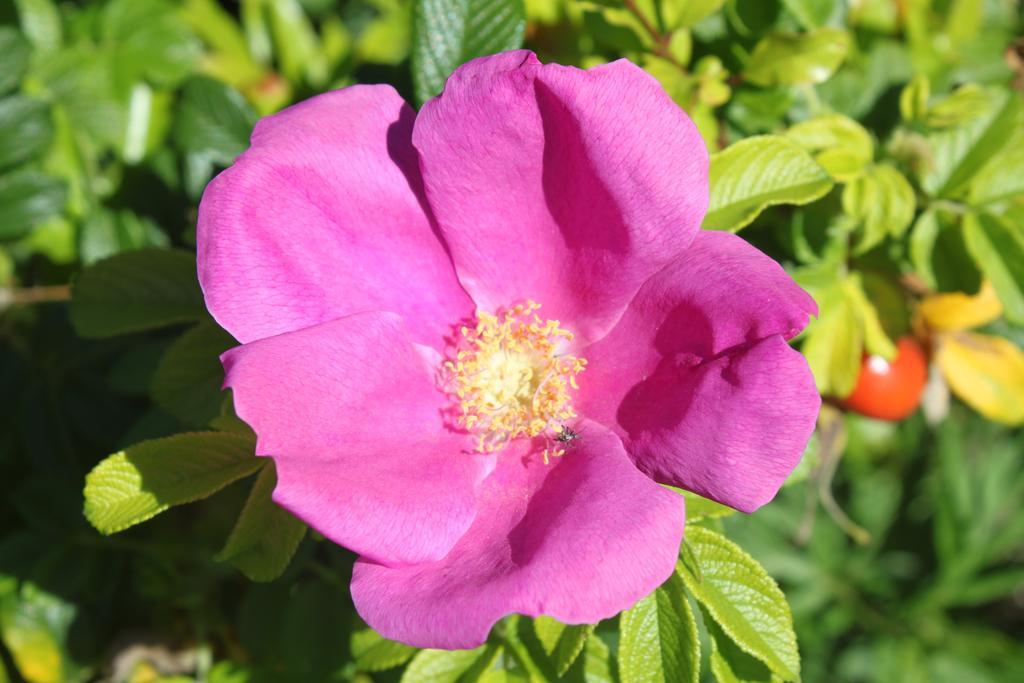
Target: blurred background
(899,539)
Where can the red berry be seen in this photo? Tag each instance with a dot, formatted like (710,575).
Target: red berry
(890,390)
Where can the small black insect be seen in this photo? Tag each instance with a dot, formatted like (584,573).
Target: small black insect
(568,435)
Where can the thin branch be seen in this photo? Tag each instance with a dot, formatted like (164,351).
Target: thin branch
(43,294)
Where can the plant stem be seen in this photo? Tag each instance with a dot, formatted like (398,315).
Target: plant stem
(34,295)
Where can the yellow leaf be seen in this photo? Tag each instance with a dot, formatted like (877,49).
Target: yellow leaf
(959,311)
(986,372)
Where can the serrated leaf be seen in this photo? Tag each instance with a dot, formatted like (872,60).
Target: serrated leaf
(265,536)
(134,291)
(14,55)
(839,144)
(882,202)
(25,129)
(449,666)
(986,372)
(28,199)
(448,33)
(759,172)
(795,59)
(150,40)
(374,652)
(744,601)
(187,382)
(959,152)
(997,246)
(213,121)
(142,481)
(562,642)
(730,664)
(658,640)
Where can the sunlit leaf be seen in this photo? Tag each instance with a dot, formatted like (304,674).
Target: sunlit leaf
(744,601)
(658,637)
(997,246)
(759,172)
(793,59)
(959,311)
(142,481)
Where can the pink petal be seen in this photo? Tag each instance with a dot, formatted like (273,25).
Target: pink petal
(351,415)
(580,540)
(697,377)
(564,186)
(321,218)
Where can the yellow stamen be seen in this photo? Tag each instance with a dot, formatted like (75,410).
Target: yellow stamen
(510,380)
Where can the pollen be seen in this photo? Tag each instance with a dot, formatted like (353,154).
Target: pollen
(510,379)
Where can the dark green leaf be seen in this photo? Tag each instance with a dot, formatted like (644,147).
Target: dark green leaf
(27,198)
(136,290)
(265,536)
(14,54)
(213,122)
(448,33)
(187,383)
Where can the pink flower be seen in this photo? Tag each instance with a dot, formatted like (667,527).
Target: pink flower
(383,270)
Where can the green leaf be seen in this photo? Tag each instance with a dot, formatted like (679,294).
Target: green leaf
(834,342)
(1002,177)
(658,637)
(187,382)
(813,13)
(679,14)
(882,202)
(14,55)
(938,250)
(134,291)
(876,341)
(150,40)
(797,59)
(374,652)
(699,507)
(106,232)
(562,643)
(449,666)
(997,246)
(265,536)
(27,199)
(40,22)
(213,122)
(914,98)
(839,144)
(142,481)
(298,46)
(448,33)
(730,664)
(759,172)
(744,601)
(35,626)
(959,152)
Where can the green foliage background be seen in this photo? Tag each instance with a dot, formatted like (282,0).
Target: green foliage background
(875,147)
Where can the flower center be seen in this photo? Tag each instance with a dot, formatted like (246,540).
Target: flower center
(510,379)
